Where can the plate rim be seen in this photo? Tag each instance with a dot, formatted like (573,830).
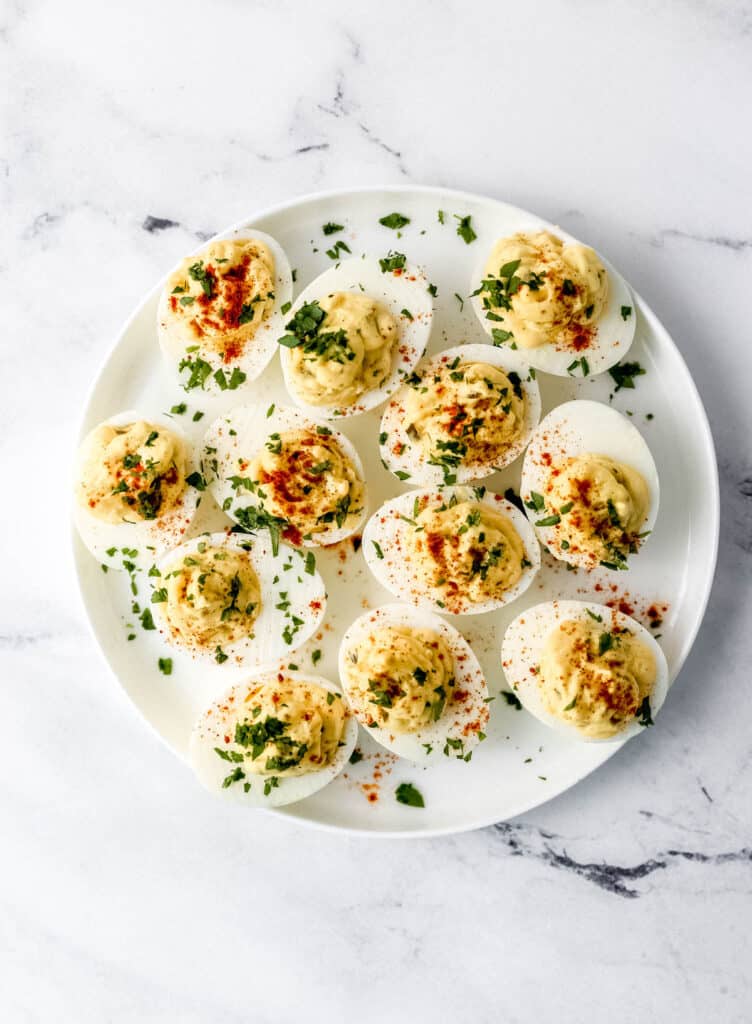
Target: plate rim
(709,454)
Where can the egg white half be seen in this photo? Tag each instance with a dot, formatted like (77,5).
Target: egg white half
(258,351)
(386,529)
(578,428)
(139,542)
(405,456)
(406,289)
(462,723)
(218,721)
(233,440)
(305,600)
(612,337)
(523,644)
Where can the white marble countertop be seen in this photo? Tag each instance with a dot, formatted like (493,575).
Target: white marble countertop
(130,131)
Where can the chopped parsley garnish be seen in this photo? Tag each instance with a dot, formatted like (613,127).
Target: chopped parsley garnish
(178,410)
(165,666)
(196,480)
(230,383)
(552,520)
(643,713)
(440,216)
(432,290)
(582,363)
(516,382)
(310,563)
(465,229)
(338,247)
(246,313)
(626,312)
(407,794)
(537,502)
(235,776)
(500,337)
(512,699)
(605,642)
(392,261)
(355,756)
(395,221)
(448,455)
(147,619)
(377,549)
(199,273)
(330,228)
(229,755)
(305,331)
(253,519)
(198,372)
(219,655)
(623,374)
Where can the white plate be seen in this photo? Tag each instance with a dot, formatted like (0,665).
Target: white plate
(522,763)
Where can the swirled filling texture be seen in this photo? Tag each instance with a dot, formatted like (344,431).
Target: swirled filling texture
(212,597)
(351,352)
(466,551)
(594,679)
(307,479)
(401,677)
(602,505)
(543,291)
(131,473)
(465,413)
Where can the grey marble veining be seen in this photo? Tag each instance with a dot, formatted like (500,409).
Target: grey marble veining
(131,133)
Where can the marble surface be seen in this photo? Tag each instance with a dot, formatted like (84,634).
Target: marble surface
(131,131)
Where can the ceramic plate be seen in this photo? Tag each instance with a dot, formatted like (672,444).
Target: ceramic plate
(521,763)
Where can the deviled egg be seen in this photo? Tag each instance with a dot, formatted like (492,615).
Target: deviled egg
(585,669)
(557,301)
(279,468)
(232,599)
(460,416)
(354,333)
(590,485)
(136,487)
(413,683)
(461,551)
(276,738)
(220,312)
